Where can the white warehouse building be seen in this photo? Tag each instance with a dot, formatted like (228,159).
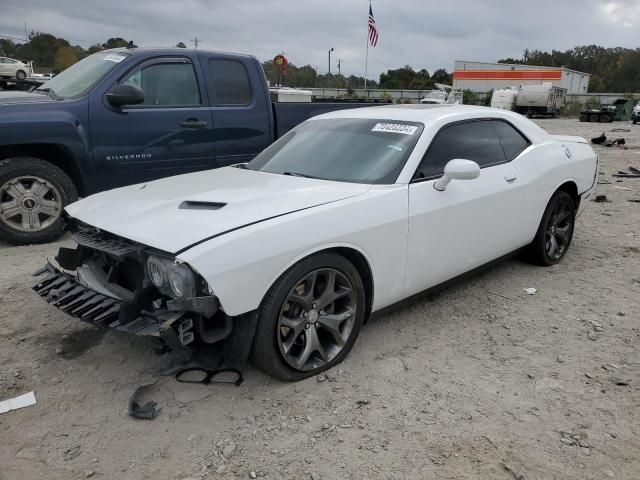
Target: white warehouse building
(481,77)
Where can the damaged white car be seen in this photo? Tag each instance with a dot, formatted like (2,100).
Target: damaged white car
(348,214)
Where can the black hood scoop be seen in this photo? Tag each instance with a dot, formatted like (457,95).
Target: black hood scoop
(195,205)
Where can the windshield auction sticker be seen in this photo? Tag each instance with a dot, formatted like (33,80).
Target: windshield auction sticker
(394,128)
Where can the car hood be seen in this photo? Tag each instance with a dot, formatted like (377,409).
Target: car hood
(11,97)
(175,213)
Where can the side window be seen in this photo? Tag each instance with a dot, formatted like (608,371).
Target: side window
(513,142)
(475,140)
(230,83)
(168,84)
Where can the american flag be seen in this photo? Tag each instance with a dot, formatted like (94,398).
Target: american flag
(373,31)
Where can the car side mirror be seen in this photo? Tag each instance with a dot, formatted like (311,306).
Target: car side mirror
(457,169)
(121,95)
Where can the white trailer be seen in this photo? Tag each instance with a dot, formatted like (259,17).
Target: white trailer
(544,99)
(505,98)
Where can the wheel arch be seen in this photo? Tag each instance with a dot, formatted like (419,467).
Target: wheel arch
(570,187)
(56,154)
(354,254)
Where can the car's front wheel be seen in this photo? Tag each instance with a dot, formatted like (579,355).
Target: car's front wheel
(555,232)
(20,75)
(310,318)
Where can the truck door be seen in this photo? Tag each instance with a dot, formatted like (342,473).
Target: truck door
(169,134)
(240,105)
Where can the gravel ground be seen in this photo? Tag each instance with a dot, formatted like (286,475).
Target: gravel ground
(484,381)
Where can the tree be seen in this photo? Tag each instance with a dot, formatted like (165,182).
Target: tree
(96,47)
(65,57)
(117,42)
(181,45)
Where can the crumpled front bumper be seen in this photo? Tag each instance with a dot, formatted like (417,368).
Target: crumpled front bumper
(64,292)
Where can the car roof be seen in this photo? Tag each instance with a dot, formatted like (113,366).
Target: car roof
(432,114)
(411,113)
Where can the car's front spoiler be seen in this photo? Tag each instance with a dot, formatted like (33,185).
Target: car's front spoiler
(64,292)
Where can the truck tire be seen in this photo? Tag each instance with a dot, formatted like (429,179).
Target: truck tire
(594,118)
(584,117)
(33,194)
(605,119)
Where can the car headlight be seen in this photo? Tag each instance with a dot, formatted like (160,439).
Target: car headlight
(176,280)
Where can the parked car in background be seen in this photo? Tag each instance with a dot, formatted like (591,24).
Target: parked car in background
(129,115)
(346,215)
(635,114)
(10,68)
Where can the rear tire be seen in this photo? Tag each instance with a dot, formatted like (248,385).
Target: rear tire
(584,117)
(555,231)
(293,318)
(20,75)
(33,194)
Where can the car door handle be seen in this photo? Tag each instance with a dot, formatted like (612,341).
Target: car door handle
(193,123)
(511,176)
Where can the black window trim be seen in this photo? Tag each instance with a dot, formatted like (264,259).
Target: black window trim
(161,61)
(212,86)
(415,179)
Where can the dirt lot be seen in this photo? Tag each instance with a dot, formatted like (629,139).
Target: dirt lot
(470,385)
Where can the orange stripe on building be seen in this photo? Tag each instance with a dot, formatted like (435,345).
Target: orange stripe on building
(507,74)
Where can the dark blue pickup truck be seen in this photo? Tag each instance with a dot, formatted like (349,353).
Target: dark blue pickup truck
(130,115)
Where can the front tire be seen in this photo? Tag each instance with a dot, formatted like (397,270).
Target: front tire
(20,75)
(33,194)
(310,318)
(555,232)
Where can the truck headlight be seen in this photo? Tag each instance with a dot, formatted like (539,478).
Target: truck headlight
(176,280)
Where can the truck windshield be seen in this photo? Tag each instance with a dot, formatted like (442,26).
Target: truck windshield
(79,78)
(354,150)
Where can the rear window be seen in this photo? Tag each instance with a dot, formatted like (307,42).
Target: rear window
(230,83)
(513,142)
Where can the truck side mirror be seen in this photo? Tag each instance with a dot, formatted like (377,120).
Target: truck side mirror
(121,95)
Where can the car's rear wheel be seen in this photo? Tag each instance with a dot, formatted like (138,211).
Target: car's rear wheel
(33,194)
(310,318)
(20,75)
(555,232)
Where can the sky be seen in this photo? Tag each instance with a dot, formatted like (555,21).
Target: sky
(421,33)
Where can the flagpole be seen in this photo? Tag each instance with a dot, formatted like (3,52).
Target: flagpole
(366,58)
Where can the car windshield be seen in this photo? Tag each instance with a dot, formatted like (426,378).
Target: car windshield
(355,150)
(82,76)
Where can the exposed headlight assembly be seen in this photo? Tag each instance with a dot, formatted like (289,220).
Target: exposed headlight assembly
(176,280)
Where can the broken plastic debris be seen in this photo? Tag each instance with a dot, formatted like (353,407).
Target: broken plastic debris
(531,291)
(17,402)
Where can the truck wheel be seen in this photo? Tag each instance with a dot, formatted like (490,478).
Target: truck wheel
(33,194)
(20,75)
(584,117)
(605,119)
(310,318)
(594,118)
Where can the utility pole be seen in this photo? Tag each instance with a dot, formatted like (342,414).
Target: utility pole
(330,50)
(196,41)
(26,36)
(339,63)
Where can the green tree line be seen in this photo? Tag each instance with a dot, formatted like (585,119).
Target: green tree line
(612,69)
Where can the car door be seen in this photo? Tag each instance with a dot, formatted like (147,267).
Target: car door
(169,134)
(241,109)
(471,222)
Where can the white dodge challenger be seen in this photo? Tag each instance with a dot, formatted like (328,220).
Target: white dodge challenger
(351,212)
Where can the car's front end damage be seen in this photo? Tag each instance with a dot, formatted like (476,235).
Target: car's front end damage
(113,282)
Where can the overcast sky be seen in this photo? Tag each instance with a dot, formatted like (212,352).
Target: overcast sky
(421,33)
